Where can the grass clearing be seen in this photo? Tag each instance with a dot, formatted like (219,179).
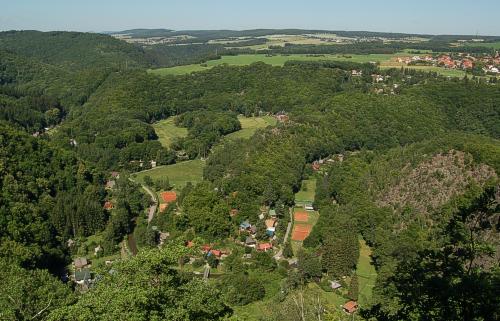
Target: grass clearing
(307,191)
(178,174)
(366,273)
(275,60)
(167,131)
(249,126)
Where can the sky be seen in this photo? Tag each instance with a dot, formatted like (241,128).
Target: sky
(480,17)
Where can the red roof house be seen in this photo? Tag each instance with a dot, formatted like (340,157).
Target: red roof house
(205,248)
(108,205)
(217,253)
(350,307)
(264,247)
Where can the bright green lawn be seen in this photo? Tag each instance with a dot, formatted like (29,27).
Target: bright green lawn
(178,174)
(277,60)
(307,194)
(250,124)
(366,273)
(439,70)
(167,131)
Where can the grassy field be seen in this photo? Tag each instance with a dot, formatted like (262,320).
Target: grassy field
(277,60)
(250,124)
(439,70)
(167,131)
(307,191)
(178,174)
(366,274)
(492,45)
(386,61)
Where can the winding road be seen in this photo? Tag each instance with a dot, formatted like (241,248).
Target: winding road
(154,206)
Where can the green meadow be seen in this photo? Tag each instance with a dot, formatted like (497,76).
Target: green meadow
(179,174)
(250,124)
(276,60)
(167,131)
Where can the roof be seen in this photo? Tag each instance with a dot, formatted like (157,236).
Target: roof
(335,284)
(169,196)
(206,247)
(82,275)
(110,184)
(245,225)
(81,262)
(163,207)
(249,240)
(233,212)
(217,253)
(272,212)
(351,306)
(264,246)
(270,222)
(189,243)
(115,174)
(108,205)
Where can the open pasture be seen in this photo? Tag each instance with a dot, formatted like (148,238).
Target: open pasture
(250,124)
(167,131)
(178,174)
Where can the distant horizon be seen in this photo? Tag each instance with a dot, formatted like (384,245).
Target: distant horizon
(250,29)
(393,16)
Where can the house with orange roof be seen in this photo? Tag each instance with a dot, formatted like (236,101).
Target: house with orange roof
(264,247)
(108,206)
(350,307)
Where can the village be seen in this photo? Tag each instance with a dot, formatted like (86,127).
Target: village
(489,64)
(269,234)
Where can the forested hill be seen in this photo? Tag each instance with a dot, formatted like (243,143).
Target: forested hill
(406,165)
(67,66)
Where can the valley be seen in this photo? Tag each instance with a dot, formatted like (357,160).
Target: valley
(265,175)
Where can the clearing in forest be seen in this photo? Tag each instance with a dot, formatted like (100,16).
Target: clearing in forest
(178,174)
(167,131)
(249,126)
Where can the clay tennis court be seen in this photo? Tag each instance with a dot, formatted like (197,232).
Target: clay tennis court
(301,232)
(169,197)
(301,216)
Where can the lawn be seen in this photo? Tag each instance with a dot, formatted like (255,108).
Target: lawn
(178,174)
(167,131)
(366,273)
(307,191)
(250,124)
(276,60)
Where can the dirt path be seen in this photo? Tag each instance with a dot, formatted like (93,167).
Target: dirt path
(152,208)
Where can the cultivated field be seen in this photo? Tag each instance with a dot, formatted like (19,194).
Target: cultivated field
(178,174)
(250,124)
(167,131)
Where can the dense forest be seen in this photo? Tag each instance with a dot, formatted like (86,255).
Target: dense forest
(414,172)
